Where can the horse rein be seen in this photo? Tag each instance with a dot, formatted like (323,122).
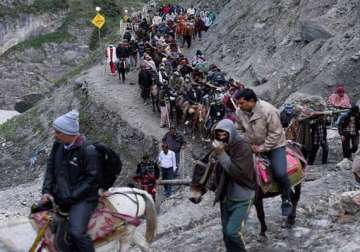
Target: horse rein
(136,201)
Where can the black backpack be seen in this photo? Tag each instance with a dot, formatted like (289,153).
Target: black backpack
(110,165)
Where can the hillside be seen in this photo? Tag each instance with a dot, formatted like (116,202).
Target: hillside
(285,46)
(278,47)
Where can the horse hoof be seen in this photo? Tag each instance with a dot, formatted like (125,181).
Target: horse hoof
(287,224)
(262,237)
(290,221)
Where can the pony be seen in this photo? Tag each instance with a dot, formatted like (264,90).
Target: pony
(197,114)
(18,234)
(203,174)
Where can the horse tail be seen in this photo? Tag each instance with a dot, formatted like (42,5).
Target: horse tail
(151,217)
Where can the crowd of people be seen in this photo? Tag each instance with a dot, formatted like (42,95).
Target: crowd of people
(196,93)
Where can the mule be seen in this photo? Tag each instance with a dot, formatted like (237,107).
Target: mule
(203,172)
(18,234)
(197,114)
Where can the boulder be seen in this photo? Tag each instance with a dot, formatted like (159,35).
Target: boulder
(27,102)
(311,31)
(313,102)
(345,164)
(345,206)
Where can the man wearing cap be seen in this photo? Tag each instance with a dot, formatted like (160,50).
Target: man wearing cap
(72,180)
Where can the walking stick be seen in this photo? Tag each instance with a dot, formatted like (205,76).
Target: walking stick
(182,160)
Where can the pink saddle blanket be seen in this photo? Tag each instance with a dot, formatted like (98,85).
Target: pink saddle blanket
(104,224)
(295,169)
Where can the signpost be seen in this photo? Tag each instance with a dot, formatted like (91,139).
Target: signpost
(99,21)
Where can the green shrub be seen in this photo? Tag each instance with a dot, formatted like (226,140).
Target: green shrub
(38,41)
(108,8)
(49,5)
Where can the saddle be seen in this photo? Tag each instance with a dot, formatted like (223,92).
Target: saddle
(296,165)
(105,225)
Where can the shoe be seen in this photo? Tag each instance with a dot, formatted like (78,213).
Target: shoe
(286,207)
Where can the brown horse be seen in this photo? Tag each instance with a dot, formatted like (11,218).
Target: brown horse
(204,171)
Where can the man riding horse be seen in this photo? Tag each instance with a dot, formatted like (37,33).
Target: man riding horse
(71,181)
(259,123)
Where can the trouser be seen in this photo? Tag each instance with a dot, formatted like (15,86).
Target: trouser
(347,150)
(233,218)
(279,169)
(314,150)
(145,93)
(112,67)
(133,60)
(79,217)
(199,34)
(167,174)
(187,39)
(121,72)
(164,116)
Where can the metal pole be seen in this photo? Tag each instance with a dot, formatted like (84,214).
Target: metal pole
(174,182)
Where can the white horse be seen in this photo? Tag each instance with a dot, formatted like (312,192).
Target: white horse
(18,235)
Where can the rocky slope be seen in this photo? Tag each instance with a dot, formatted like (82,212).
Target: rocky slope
(270,36)
(286,46)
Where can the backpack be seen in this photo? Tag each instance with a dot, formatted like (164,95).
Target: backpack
(110,164)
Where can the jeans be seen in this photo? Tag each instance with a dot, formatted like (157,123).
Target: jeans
(279,169)
(347,150)
(167,174)
(314,150)
(79,217)
(233,218)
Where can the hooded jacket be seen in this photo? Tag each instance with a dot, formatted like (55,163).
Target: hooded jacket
(235,174)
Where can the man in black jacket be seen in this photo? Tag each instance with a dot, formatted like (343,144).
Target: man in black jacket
(71,178)
(145,82)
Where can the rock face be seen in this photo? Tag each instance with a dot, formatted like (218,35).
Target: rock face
(33,70)
(292,45)
(16,30)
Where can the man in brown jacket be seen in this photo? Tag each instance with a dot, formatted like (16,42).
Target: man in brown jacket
(235,181)
(259,123)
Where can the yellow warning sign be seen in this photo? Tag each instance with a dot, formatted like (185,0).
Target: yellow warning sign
(98,21)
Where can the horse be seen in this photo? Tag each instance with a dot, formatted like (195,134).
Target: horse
(19,234)
(203,174)
(197,115)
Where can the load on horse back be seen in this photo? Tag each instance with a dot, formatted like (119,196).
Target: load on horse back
(205,168)
(112,226)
